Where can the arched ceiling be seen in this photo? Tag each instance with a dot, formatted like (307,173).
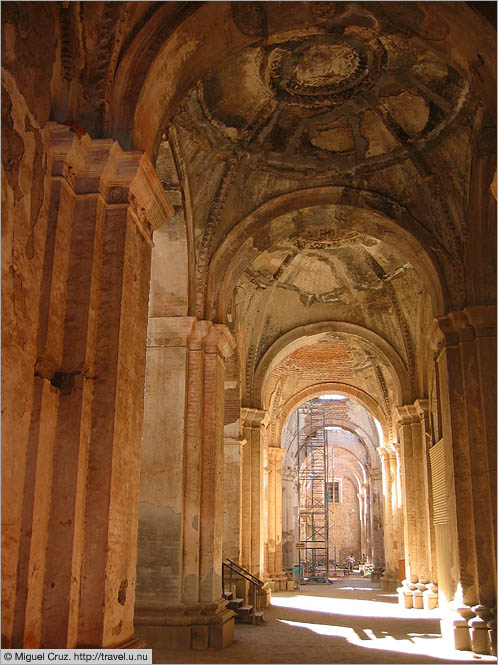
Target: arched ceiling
(325,168)
(319,155)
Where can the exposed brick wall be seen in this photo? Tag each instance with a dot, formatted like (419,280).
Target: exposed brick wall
(324,362)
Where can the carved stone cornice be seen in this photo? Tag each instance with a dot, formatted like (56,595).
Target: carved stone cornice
(483,319)
(220,340)
(276,455)
(182,331)
(422,407)
(464,326)
(406,414)
(254,417)
(99,167)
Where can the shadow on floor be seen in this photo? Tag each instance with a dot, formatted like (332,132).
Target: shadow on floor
(323,638)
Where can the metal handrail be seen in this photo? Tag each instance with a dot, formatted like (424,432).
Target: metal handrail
(256,583)
(243,572)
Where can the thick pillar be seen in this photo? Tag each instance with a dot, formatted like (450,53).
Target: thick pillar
(275,459)
(376,519)
(232,531)
(290,534)
(393,536)
(77,557)
(253,423)
(466,363)
(181,498)
(418,567)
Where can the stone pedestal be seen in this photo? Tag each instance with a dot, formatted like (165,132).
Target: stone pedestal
(431,597)
(76,570)
(181,496)
(478,629)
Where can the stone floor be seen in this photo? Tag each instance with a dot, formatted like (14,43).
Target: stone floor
(349,621)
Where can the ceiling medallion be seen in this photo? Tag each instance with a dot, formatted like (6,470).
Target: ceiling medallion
(321,71)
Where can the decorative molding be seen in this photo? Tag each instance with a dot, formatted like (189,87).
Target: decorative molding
(122,178)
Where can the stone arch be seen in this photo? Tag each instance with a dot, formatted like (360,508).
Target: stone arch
(337,388)
(371,452)
(379,215)
(310,334)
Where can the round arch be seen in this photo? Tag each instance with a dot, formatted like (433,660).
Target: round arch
(376,214)
(311,334)
(363,440)
(336,388)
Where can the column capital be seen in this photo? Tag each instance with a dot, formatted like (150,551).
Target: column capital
(375,474)
(177,331)
(483,319)
(251,417)
(383,452)
(220,340)
(464,325)
(276,454)
(422,407)
(406,414)
(122,178)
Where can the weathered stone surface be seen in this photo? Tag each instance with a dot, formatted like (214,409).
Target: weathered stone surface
(330,174)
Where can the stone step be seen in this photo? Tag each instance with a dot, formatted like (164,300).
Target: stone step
(228,595)
(259,617)
(235,603)
(245,609)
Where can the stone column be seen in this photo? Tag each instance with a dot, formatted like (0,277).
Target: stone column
(388,579)
(466,352)
(232,531)
(289,517)
(77,560)
(181,501)
(275,457)
(253,423)
(418,568)
(363,499)
(393,537)
(376,519)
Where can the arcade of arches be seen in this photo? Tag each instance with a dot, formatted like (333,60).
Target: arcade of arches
(243,207)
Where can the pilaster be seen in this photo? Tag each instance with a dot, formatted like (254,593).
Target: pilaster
(232,527)
(181,525)
(81,493)
(465,344)
(253,423)
(275,458)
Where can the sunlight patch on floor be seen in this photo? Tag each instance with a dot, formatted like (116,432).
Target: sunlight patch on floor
(415,644)
(349,607)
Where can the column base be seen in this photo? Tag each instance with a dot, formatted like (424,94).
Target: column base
(280,582)
(431,597)
(196,626)
(389,581)
(455,627)
(478,629)
(133,642)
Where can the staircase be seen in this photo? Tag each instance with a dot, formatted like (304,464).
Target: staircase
(237,581)
(243,613)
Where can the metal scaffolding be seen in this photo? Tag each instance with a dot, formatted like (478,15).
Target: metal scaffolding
(313,494)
